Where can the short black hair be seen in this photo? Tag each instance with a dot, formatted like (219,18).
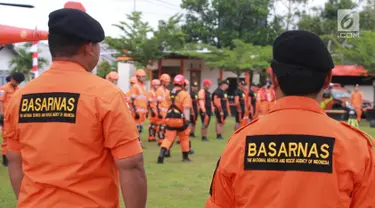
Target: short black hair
(301,85)
(64,46)
(18,76)
(7,79)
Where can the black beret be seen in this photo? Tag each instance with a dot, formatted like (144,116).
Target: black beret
(300,52)
(7,78)
(18,76)
(75,23)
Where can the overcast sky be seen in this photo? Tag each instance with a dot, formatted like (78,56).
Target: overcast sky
(107,12)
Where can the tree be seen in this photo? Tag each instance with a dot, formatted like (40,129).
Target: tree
(293,8)
(103,69)
(140,42)
(23,62)
(359,51)
(218,22)
(242,58)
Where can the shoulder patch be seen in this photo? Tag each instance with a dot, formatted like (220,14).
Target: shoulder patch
(289,152)
(369,138)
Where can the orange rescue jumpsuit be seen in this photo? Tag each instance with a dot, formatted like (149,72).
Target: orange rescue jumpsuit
(271,97)
(152,100)
(6,93)
(293,163)
(163,104)
(262,105)
(70,126)
(357,101)
(139,102)
(182,101)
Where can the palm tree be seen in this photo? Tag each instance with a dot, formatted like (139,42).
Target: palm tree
(23,62)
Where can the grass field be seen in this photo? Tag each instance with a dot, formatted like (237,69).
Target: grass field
(173,184)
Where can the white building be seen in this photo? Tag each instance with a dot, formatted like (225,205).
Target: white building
(7,52)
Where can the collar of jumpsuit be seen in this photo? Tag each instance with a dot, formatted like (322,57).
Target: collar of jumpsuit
(66,66)
(297,103)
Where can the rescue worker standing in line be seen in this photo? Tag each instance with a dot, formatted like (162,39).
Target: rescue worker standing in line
(270,95)
(71,139)
(133,81)
(262,105)
(242,105)
(152,100)
(195,106)
(205,107)
(139,99)
(296,156)
(112,77)
(163,104)
(357,101)
(252,101)
(177,120)
(6,93)
(221,105)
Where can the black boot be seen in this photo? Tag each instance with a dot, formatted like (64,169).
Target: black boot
(204,139)
(185,157)
(161,155)
(219,137)
(192,135)
(191,150)
(167,153)
(5,161)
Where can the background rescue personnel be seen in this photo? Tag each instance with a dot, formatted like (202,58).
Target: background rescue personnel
(133,81)
(270,94)
(262,104)
(243,107)
(71,138)
(357,101)
(163,104)
(205,107)
(308,160)
(221,105)
(177,120)
(6,93)
(152,100)
(253,100)
(112,77)
(139,99)
(195,106)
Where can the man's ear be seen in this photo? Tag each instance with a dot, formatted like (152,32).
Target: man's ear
(275,82)
(89,49)
(328,80)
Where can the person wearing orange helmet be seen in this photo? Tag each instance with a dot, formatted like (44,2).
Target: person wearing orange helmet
(133,81)
(139,99)
(163,104)
(205,107)
(177,120)
(112,77)
(152,100)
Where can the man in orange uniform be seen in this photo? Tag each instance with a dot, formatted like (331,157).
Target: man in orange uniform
(71,139)
(308,160)
(177,120)
(6,93)
(112,77)
(243,107)
(270,95)
(139,99)
(205,107)
(262,105)
(222,109)
(163,104)
(152,100)
(133,81)
(357,101)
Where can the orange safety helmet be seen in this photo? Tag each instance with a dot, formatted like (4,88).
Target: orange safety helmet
(165,78)
(133,80)
(187,83)
(155,82)
(179,79)
(112,76)
(140,73)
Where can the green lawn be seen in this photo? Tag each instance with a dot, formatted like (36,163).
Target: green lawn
(173,184)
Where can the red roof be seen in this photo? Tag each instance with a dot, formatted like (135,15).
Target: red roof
(344,70)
